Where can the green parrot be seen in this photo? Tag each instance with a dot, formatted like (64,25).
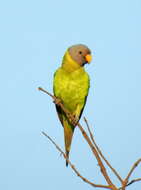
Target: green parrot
(71,85)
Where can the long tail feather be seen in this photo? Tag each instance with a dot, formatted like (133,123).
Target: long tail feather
(67,154)
(68,134)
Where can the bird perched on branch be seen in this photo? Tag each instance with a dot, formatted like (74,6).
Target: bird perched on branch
(71,86)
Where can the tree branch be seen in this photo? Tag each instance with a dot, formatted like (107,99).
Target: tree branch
(96,151)
(133,181)
(70,117)
(72,166)
(100,153)
(133,168)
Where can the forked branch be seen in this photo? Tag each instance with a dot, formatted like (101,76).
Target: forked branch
(96,151)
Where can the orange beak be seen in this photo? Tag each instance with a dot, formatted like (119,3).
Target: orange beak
(88,58)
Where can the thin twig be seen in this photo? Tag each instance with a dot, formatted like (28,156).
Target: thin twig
(125,181)
(132,169)
(72,166)
(41,89)
(133,181)
(100,153)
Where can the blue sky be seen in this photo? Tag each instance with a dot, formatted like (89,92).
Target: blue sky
(33,38)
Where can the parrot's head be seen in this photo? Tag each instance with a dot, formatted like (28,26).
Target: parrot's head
(80,53)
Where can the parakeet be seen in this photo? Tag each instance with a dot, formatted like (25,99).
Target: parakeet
(71,85)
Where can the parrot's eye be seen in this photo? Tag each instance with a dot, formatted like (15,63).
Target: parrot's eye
(80,52)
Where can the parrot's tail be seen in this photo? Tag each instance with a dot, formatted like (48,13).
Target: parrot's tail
(67,154)
(68,134)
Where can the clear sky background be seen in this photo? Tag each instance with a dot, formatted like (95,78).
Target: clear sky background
(33,38)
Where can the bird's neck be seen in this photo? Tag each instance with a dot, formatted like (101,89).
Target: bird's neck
(68,64)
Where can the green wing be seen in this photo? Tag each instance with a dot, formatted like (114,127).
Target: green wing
(60,114)
(58,109)
(83,107)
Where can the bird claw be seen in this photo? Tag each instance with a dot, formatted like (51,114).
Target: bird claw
(57,101)
(74,120)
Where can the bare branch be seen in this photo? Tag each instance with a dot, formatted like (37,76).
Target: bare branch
(133,181)
(96,151)
(101,165)
(133,168)
(41,89)
(73,167)
(125,182)
(100,153)
(71,118)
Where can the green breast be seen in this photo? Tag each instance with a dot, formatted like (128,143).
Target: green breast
(72,88)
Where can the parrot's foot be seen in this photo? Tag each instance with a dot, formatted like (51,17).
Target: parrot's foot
(74,120)
(57,101)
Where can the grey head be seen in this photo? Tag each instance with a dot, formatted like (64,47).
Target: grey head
(80,53)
